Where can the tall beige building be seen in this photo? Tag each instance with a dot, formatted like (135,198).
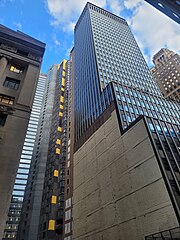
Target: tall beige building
(20,61)
(166,72)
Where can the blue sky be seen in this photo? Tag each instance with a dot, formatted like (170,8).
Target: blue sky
(52,22)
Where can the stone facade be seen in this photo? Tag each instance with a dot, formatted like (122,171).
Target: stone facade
(166,72)
(119,191)
(20,61)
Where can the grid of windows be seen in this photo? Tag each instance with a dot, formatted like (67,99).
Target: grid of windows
(167,72)
(118,56)
(108,53)
(133,102)
(166,138)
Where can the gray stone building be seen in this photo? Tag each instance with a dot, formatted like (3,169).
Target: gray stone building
(20,62)
(166,72)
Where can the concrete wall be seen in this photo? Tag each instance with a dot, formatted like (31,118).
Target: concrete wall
(119,192)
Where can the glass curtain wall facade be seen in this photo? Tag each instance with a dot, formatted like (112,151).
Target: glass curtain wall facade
(108,52)
(114,70)
(25,161)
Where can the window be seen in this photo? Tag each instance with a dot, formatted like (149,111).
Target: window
(6,99)
(67,228)
(11,83)
(68,203)
(2,119)
(16,68)
(68,215)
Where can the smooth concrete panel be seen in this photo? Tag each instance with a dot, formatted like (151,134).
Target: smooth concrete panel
(119,192)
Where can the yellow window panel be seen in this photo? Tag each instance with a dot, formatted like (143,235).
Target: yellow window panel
(59,129)
(63,74)
(61,107)
(63,82)
(54,199)
(60,114)
(12,68)
(62,99)
(51,225)
(57,151)
(56,173)
(64,64)
(62,89)
(58,141)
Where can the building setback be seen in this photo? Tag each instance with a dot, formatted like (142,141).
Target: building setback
(20,61)
(12,222)
(166,72)
(126,152)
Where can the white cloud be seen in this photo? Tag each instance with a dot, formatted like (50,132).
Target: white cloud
(153,30)
(18,25)
(3,2)
(66,13)
(55,40)
(130,4)
(116,6)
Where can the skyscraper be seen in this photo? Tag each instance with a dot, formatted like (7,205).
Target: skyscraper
(43,207)
(166,72)
(25,161)
(68,188)
(52,205)
(171,8)
(20,62)
(29,219)
(126,155)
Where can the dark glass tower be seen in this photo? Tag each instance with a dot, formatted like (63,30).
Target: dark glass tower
(111,73)
(108,53)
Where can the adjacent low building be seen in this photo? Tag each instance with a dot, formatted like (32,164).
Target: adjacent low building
(166,72)
(20,62)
